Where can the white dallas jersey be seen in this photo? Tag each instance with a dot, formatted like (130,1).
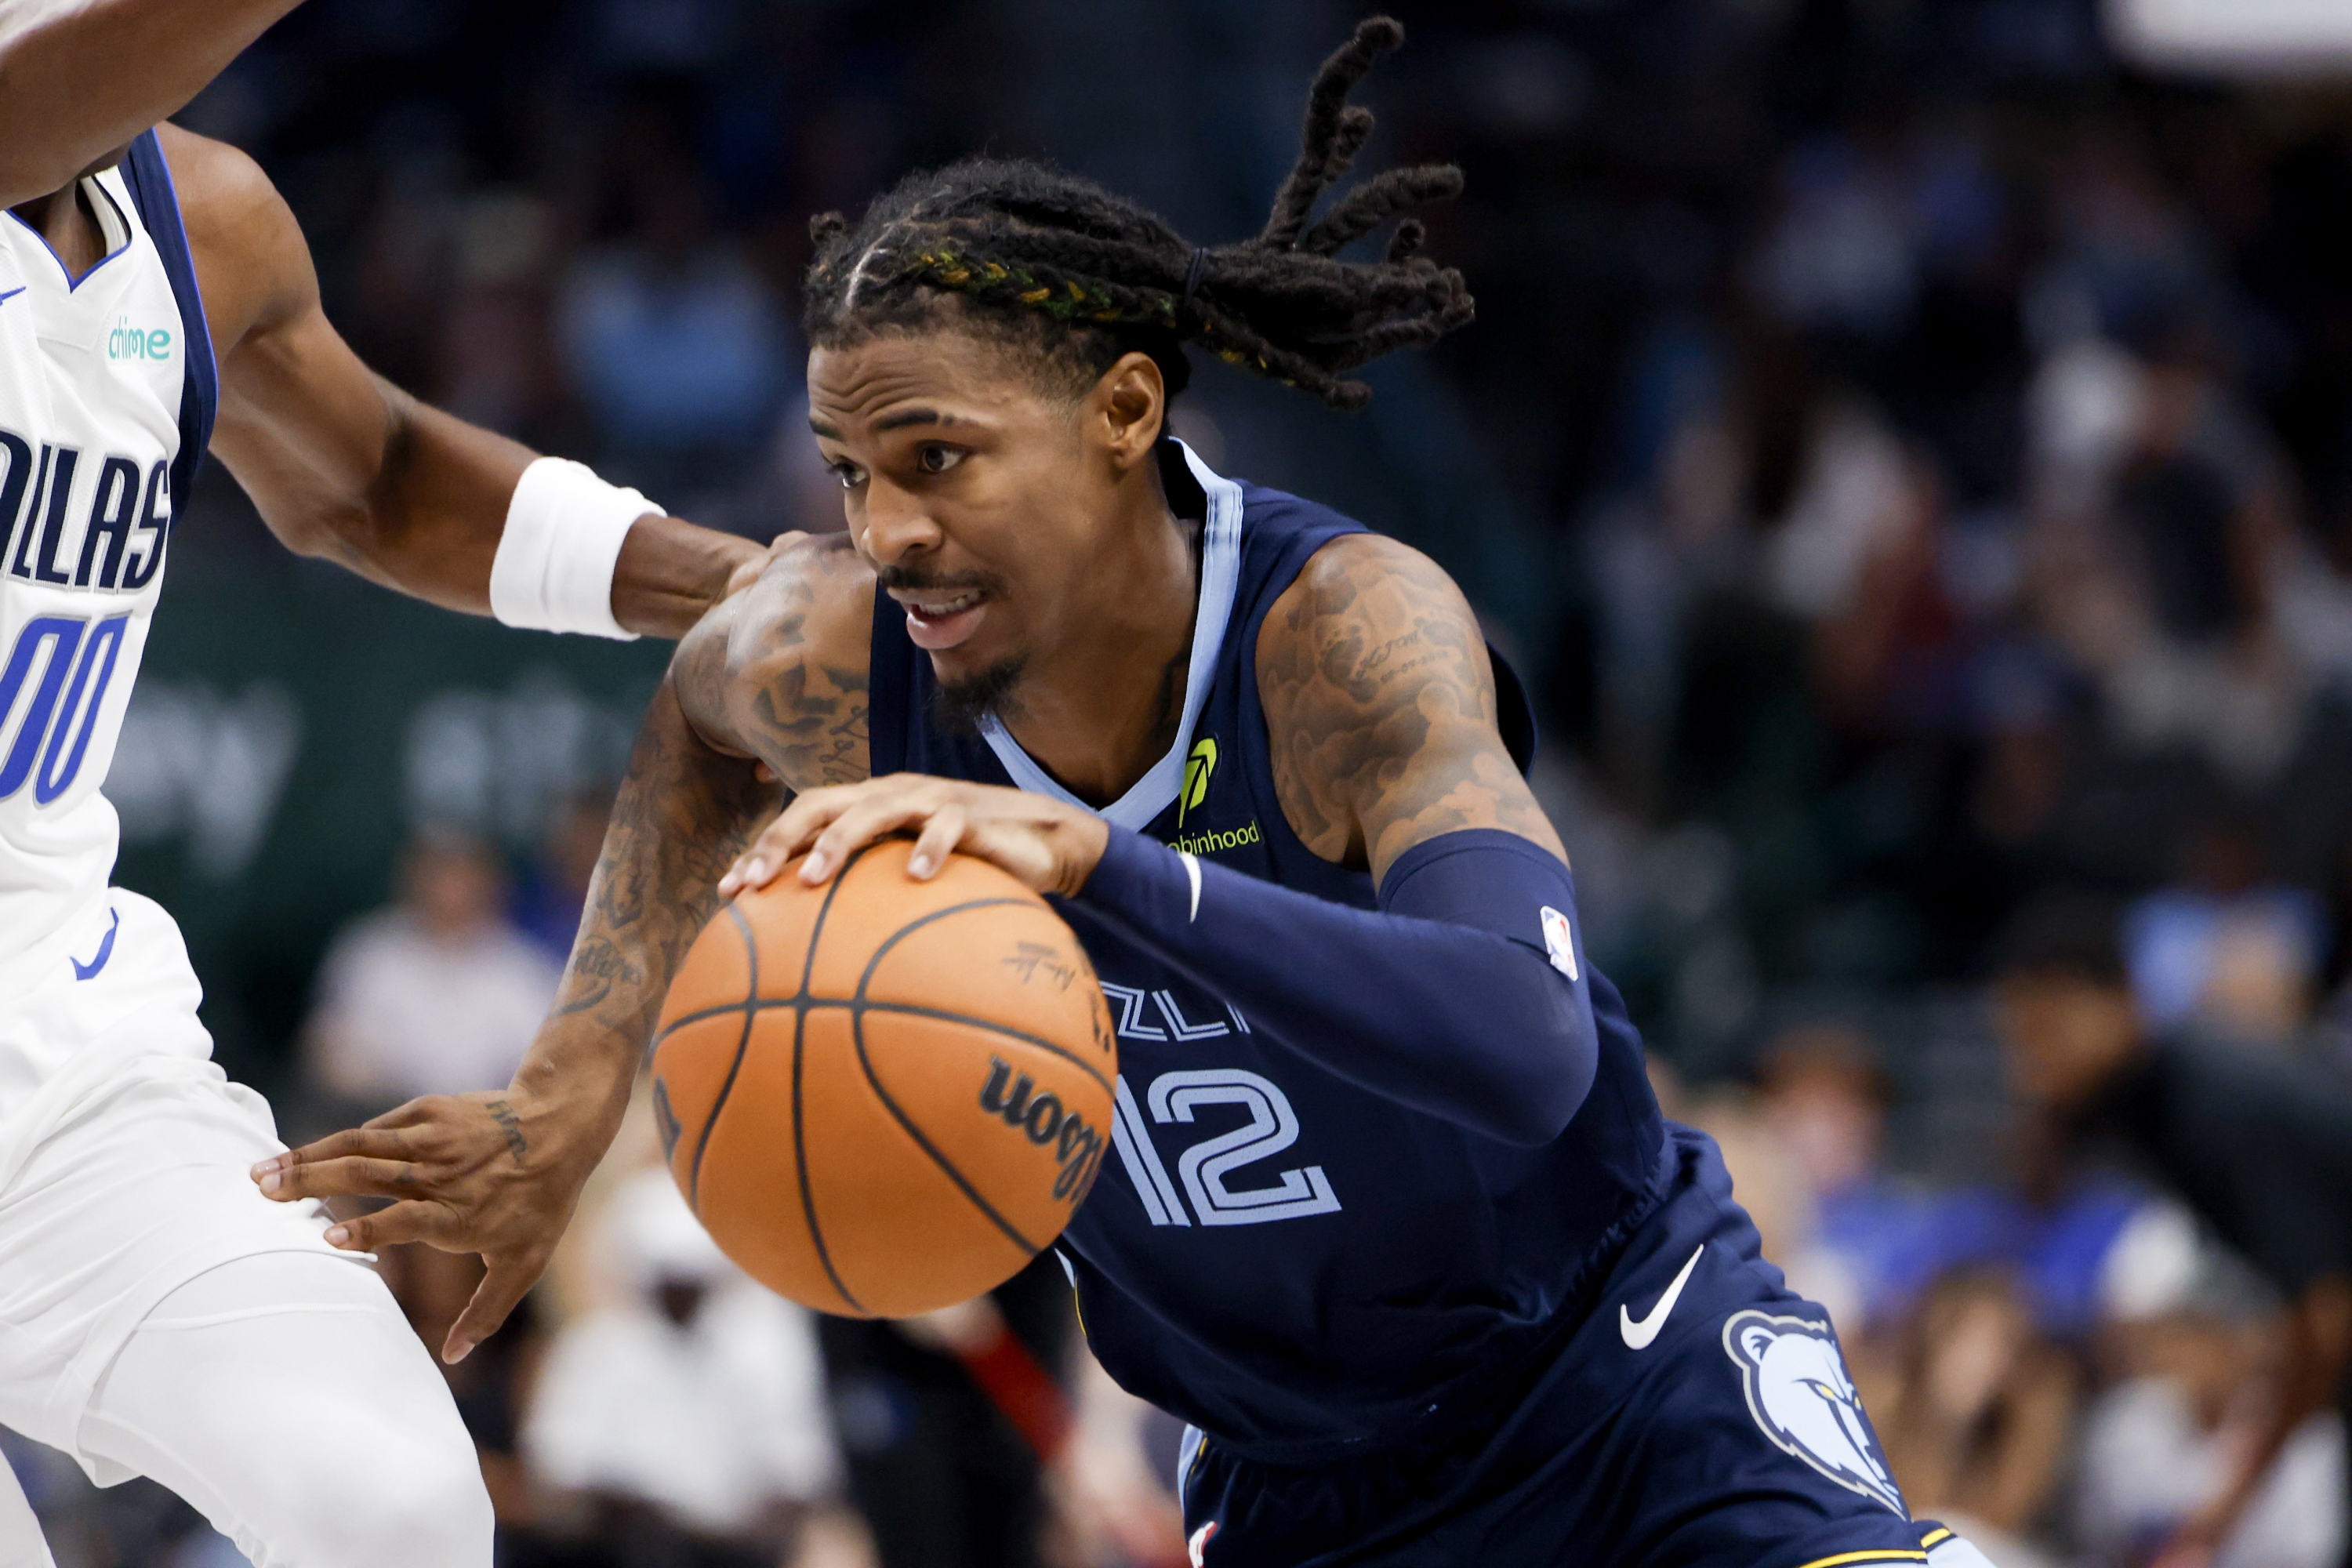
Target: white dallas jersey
(92,376)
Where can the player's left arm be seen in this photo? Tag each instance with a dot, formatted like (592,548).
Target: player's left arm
(1379,705)
(343,464)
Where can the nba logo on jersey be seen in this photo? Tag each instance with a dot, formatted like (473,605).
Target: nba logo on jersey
(1559,941)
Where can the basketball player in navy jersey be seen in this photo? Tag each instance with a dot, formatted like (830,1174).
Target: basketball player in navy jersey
(156,298)
(1391,1216)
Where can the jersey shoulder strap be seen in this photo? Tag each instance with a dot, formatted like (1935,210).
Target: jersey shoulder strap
(149,178)
(1279,534)
(1285,533)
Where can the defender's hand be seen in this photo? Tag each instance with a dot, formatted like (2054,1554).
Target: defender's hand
(751,568)
(1051,847)
(496,1173)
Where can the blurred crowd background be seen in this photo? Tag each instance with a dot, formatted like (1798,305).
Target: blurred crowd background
(1906,448)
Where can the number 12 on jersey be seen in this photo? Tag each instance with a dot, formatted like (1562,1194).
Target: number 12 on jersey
(1204,1168)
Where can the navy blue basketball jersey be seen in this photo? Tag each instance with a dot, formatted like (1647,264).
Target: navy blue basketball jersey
(1290,1262)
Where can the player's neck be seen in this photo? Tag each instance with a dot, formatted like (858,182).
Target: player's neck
(64,219)
(1099,712)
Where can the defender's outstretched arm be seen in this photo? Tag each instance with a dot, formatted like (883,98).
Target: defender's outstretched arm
(344,465)
(80,79)
(499,1173)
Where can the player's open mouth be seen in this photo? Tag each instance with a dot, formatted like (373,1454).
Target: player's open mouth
(935,622)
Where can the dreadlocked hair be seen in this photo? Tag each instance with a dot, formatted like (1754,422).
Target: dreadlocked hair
(1025,254)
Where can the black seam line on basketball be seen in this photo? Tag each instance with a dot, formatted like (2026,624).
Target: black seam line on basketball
(743,1044)
(860,1001)
(857,1036)
(674,1024)
(800,1040)
(832,889)
(911,1010)
(800,1163)
(907,1009)
(803,1002)
(801,997)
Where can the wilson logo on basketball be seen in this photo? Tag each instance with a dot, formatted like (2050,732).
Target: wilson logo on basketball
(1046,1121)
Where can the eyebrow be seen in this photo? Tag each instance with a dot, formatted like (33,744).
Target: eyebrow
(895,422)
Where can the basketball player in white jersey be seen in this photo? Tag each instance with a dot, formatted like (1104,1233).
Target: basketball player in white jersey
(159,1316)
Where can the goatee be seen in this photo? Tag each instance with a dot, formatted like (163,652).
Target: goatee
(959,706)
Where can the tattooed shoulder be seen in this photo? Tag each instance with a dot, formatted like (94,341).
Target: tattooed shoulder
(1380,708)
(779,672)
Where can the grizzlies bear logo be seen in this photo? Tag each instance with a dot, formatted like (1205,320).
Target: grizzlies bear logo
(1799,1391)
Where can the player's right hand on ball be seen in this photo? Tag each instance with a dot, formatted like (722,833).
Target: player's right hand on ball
(496,1173)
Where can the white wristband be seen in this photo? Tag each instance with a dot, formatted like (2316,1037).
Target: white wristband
(553,570)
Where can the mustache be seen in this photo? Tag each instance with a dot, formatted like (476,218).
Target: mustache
(915,580)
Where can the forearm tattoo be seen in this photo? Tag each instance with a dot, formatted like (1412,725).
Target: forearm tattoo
(685,811)
(747,683)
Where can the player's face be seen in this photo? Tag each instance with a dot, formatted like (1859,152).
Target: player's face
(970,488)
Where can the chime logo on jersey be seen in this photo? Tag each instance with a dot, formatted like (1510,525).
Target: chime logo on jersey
(1799,1395)
(127,342)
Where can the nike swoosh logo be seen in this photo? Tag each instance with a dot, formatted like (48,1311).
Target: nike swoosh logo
(105,951)
(11,294)
(1640,1332)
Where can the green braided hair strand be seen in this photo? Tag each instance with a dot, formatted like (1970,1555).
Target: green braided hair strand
(1027,254)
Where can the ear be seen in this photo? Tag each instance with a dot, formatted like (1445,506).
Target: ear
(1754,1339)
(1130,406)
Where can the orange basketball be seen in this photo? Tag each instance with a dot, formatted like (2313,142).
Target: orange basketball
(885,1096)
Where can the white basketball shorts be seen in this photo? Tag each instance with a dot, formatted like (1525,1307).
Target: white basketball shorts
(123,1160)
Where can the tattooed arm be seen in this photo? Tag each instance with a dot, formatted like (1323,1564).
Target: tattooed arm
(1380,702)
(1379,709)
(779,672)
(776,673)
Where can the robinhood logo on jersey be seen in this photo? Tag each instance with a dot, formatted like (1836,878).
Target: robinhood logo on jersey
(1199,768)
(127,341)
